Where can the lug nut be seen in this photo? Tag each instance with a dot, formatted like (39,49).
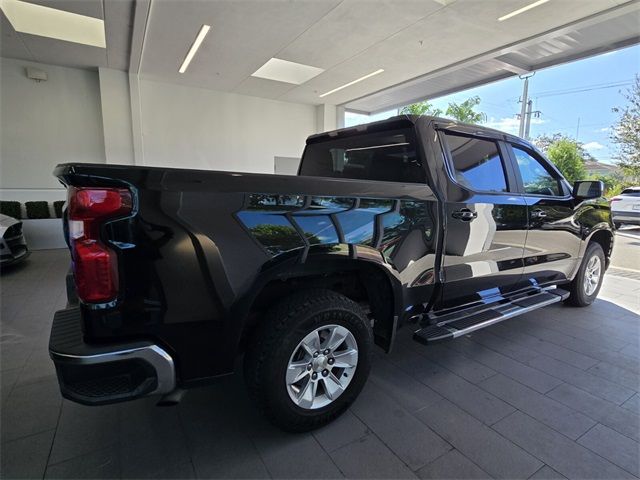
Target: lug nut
(327,351)
(325,372)
(314,376)
(315,355)
(331,361)
(309,366)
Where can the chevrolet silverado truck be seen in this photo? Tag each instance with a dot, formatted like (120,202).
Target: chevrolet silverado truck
(413,221)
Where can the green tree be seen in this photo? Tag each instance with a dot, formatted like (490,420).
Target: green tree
(626,132)
(465,112)
(420,108)
(543,142)
(565,154)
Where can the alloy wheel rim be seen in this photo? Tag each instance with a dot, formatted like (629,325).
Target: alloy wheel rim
(592,275)
(321,367)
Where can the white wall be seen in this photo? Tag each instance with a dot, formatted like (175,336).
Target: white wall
(195,128)
(116,116)
(43,124)
(109,116)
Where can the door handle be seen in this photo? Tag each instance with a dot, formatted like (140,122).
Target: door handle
(538,214)
(464,214)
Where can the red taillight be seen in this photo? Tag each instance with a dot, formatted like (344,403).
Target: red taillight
(94,263)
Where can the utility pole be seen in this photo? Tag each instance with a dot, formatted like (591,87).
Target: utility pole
(524,101)
(526,111)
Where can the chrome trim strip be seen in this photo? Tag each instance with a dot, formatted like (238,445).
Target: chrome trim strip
(160,360)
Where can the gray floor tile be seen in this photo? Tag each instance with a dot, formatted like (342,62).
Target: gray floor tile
(462,366)
(491,452)
(539,381)
(452,465)
(546,473)
(244,465)
(466,395)
(621,376)
(345,429)
(26,457)
(403,388)
(103,463)
(370,458)
(295,456)
(607,413)
(8,379)
(613,446)
(556,450)
(83,430)
(30,409)
(488,338)
(548,411)
(529,340)
(633,404)
(586,381)
(413,442)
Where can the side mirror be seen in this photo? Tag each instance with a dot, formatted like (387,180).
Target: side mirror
(586,189)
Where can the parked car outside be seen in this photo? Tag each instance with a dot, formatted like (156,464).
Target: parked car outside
(625,208)
(13,246)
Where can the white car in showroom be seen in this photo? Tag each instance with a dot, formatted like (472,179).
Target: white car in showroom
(13,246)
(625,208)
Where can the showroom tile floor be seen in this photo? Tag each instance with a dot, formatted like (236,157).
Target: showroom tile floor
(551,394)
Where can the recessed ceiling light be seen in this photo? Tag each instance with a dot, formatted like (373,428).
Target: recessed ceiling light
(194,47)
(288,72)
(522,10)
(53,23)
(352,83)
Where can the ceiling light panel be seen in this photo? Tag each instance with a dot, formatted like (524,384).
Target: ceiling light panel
(288,72)
(53,23)
(194,47)
(522,10)
(357,80)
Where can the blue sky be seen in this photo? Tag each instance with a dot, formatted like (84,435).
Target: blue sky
(602,78)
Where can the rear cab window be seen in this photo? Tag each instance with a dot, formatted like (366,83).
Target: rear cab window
(388,156)
(476,163)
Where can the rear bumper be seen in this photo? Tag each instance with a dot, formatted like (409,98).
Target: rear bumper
(102,374)
(626,217)
(13,250)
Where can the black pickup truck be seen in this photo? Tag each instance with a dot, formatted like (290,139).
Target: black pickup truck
(416,221)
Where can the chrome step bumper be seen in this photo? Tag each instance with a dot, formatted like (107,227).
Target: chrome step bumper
(102,374)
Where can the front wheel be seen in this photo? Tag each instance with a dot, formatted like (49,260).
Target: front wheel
(587,282)
(309,359)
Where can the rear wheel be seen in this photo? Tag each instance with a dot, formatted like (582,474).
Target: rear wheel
(309,359)
(586,285)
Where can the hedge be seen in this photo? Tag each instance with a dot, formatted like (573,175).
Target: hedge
(57,207)
(37,209)
(10,208)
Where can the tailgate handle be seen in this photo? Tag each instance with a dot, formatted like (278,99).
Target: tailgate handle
(464,214)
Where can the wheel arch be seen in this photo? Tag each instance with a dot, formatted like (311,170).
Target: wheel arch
(604,237)
(359,273)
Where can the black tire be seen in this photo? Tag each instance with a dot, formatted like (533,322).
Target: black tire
(276,339)
(578,296)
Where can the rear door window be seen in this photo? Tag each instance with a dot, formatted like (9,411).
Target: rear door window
(477,164)
(389,156)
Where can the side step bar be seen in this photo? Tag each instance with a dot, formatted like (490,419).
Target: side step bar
(462,323)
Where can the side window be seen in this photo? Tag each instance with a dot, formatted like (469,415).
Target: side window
(477,163)
(536,179)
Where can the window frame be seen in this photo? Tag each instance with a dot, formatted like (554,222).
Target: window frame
(563,186)
(507,166)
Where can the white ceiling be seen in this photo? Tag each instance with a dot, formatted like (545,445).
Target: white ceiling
(426,47)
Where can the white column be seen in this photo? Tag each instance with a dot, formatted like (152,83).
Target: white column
(116,116)
(326,118)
